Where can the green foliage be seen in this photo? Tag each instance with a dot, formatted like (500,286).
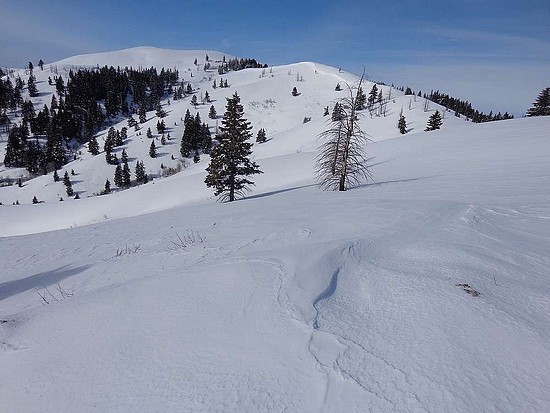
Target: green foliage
(541,107)
(434,122)
(230,164)
(402,124)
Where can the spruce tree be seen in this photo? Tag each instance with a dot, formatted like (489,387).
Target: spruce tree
(31,87)
(149,133)
(206,139)
(196,157)
(229,161)
(93,146)
(126,177)
(212,113)
(153,150)
(107,189)
(66,179)
(261,136)
(294,91)
(124,156)
(541,107)
(373,94)
(402,124)
(118,176)
(55,176)
(434,122)
(140,172)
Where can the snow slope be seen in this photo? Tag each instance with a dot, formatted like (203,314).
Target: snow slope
(296,299)
(265,94)
(425,290)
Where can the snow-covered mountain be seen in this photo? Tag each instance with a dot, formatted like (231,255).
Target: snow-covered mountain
(425,290)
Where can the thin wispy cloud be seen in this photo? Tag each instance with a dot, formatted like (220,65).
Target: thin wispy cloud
(514,45)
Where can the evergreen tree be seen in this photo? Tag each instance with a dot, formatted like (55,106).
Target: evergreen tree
(107,189)
(124,156)
(434,122)
(294,91)
(93,146)
(118,176)
(261,136)
(338,88)
(66,179)
(194,100)
(149,133)
(35,200)
(142,113)
(55,176)
(361,99)
(337,112)
(402,124)
(229,161)
(196,157)
(141,177)
(541,107)
(206,138)
(373,94)
(31,87)
(153,150)
(59,85)
(212,113)
(126,177)
(206,97)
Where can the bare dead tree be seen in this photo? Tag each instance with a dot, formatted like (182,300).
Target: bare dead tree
(342,162)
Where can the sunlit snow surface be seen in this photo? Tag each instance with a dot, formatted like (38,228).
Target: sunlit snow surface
(293,299)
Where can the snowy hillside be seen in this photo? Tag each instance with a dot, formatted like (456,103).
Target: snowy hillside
(268,103)
(425,290)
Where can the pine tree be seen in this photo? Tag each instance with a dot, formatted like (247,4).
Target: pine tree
(402,124)
(212,113)
(541,107)
(124,156)
(55,176)
(194,100)
(373,94)
(294,91)
(196,157)
(118,176)
(107,189)
(141,177)
(337,112)
(149,133)
(142,113)
(31,87)
(229,161)
(66,179)
(434,122)
(126,177)
(153,150)
(261,136)
(34,200)
(206,139)
(361,99)
(93,146)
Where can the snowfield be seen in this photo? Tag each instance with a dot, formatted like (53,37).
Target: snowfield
(425,290)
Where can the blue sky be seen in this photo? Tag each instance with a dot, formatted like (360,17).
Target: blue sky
(494,53)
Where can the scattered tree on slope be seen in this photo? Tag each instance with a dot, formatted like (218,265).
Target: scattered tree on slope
(230,164)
